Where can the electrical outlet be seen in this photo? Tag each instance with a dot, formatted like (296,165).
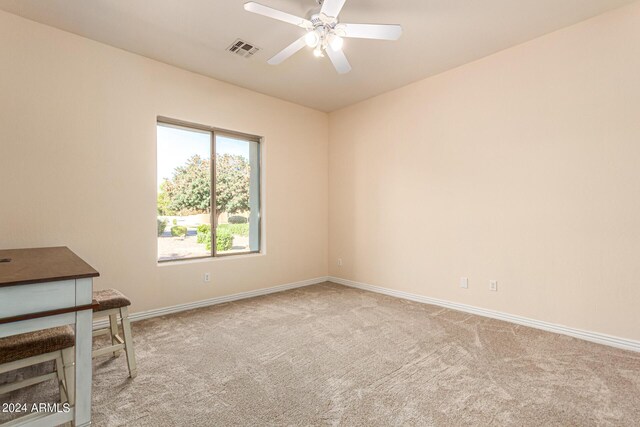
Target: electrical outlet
(493,285)
(464,282)
(339,262)
(206,277)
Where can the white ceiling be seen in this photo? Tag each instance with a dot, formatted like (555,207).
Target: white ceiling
(193,34)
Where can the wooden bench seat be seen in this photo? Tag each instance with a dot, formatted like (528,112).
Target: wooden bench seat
(109,299)
(23,346)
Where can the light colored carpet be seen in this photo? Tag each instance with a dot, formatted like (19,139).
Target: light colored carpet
(332,355)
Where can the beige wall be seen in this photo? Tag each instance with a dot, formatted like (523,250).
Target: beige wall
(522,167)
(78,165)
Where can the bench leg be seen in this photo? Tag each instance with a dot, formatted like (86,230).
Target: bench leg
(62,384)
(113,329)
(68,358)
(128,342)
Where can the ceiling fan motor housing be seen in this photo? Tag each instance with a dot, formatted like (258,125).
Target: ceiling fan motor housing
(326,29)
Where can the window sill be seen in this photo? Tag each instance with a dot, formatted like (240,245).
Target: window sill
(243,255)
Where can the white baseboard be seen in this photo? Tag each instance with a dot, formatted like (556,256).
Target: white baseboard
(141,315)
(596,337)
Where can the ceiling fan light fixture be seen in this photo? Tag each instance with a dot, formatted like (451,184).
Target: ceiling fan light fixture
(312,39)
(336,42)
(325,32)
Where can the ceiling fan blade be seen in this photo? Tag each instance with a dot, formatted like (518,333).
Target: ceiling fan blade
(332,7)
(339,60)
(371,31)
(288,51)
(277,14)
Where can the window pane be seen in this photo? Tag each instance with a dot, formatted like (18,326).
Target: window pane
(184,193)
(237,195)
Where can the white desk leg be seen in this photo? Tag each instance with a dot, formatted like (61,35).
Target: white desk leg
(84,320)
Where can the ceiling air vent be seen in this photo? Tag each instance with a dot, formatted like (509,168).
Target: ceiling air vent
(242,48)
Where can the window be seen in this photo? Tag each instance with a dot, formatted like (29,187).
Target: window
(194,221)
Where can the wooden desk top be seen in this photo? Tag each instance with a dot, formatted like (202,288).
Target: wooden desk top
(37,265)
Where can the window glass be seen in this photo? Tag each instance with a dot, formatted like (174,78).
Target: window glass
(237,177)
(184,193)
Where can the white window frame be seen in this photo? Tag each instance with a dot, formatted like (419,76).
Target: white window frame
(255,197)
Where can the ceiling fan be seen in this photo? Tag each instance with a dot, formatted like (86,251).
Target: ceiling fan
(324,32)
